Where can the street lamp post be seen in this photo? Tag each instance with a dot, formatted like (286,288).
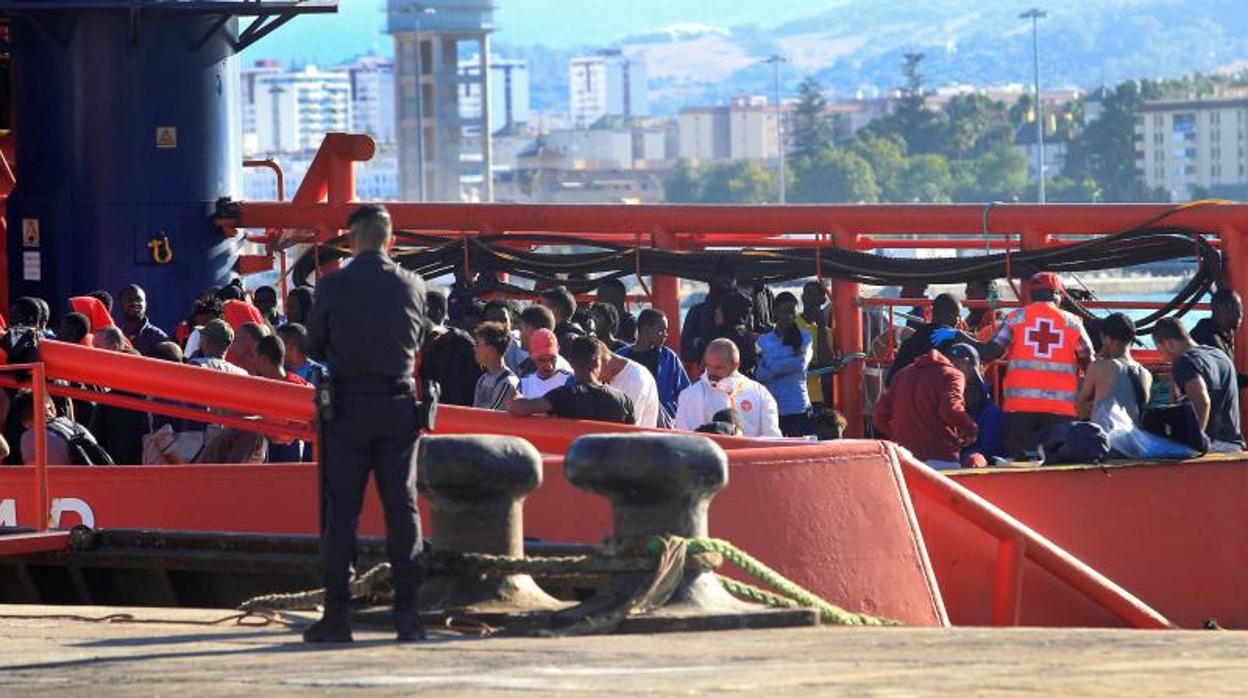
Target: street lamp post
(1035,15)
(775,62)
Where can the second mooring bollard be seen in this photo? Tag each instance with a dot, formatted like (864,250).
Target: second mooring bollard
(475,486)
(659,485)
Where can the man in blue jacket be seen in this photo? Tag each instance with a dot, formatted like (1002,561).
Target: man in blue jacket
(651,351)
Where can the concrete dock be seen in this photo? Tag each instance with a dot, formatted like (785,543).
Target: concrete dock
(62,656)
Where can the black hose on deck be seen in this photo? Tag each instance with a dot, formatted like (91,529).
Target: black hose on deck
(513,254)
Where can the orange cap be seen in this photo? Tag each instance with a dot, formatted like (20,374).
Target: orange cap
(543,344)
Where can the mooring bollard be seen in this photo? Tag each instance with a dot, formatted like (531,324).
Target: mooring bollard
(659,485)
(475,486)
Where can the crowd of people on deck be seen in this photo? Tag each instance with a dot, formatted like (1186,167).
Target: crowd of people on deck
(751,362)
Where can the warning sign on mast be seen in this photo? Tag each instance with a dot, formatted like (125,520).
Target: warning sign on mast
(30,232)
(166,137)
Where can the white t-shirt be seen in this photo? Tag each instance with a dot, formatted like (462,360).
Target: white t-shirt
(699,402)
(534,386)
(637,383)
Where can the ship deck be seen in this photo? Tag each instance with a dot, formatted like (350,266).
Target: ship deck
(80,658)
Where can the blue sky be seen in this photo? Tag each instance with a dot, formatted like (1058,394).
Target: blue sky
(358,25)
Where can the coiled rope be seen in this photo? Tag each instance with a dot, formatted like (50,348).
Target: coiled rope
(667,557)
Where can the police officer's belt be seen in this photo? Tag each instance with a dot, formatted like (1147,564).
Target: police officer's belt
(375,385)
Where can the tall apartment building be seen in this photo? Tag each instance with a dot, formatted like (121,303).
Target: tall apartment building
(372,97)
(249,76)
(293,110)
(1181,145)
(429,38)
(607,83)
(742,130)
(509,92)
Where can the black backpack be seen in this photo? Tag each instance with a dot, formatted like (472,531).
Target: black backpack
(83,448)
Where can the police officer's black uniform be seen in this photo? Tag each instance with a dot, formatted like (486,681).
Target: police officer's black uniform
(366,324)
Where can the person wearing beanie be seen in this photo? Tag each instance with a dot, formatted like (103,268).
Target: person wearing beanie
(977,397)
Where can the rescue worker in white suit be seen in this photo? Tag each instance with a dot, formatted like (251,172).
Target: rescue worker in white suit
(722,387)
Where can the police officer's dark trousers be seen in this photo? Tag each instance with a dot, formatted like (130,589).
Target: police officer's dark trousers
(371,432)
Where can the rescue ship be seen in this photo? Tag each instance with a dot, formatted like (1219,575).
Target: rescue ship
(115,171)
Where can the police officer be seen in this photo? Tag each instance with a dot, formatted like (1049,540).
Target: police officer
(366,325)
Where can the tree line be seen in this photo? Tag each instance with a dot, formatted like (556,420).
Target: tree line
(962,153)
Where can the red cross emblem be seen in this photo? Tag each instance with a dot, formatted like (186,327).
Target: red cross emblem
(1043,339)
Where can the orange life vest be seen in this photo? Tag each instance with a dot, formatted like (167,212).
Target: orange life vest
(1043,362)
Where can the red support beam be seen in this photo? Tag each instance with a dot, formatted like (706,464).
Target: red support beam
(918,219)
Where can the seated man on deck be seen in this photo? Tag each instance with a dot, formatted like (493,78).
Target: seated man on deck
(586,397)
(722,386)
(1204,377)
(923,411)
(68,443)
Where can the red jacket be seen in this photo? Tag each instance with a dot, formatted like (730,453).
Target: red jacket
(922,410)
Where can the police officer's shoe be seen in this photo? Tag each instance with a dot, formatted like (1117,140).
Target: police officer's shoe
(408,628)
(330,629)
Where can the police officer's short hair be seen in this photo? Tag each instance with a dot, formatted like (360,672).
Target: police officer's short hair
(272,349)
(494,335)
(582,351)
(370,224)
(538,318)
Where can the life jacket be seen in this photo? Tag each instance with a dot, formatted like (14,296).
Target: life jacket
(1043,364)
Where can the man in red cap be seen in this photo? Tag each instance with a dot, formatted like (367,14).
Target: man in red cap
(544,350)
(1045,348)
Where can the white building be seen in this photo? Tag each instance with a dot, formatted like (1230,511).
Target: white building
(509,92)
(607,84)
(294,110)
(1186,144)
(372,97)
(591,149)
(248,78)
(743,130)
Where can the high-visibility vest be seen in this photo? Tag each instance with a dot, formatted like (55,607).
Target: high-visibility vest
(1043,363)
